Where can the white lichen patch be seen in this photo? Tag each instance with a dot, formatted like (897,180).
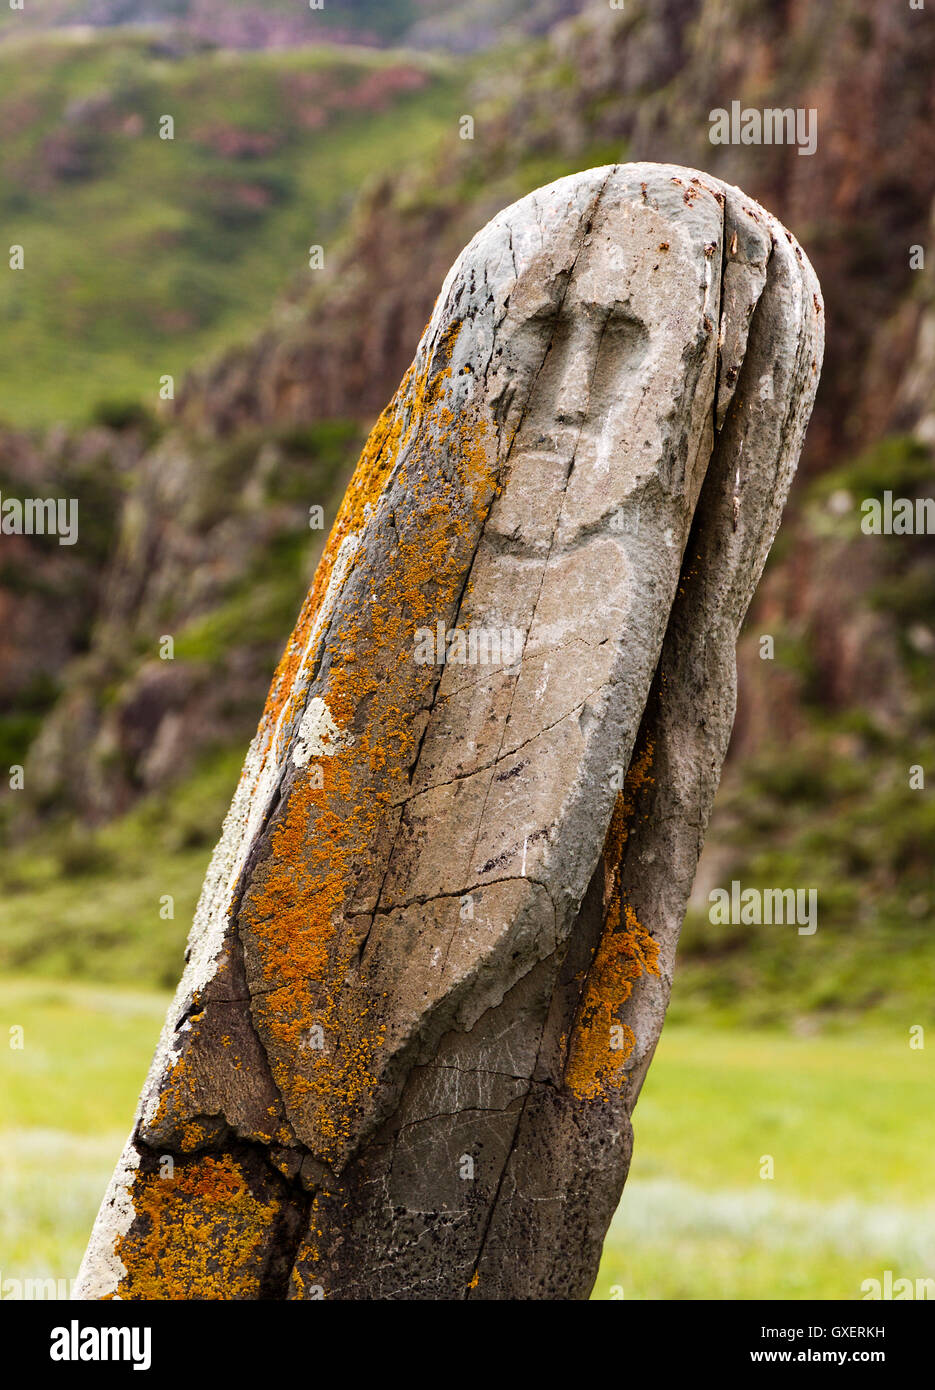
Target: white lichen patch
(101,1269)
(318,735)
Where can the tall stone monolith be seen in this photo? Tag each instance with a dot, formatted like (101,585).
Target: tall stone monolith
(433,952)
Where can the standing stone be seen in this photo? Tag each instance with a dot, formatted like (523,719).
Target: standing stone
(433,951)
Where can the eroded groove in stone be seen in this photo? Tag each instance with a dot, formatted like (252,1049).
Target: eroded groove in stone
(432,955)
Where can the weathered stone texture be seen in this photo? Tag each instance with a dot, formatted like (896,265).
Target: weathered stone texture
(433,952)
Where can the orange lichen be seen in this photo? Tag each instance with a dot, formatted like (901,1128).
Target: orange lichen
(601,1043)
(308,1272)
(178,1116)
(327,837)
(197,1235)
(193,1137)
(177,1096)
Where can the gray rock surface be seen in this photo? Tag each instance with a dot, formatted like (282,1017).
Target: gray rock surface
(433,952)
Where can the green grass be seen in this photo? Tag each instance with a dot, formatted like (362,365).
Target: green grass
(85,1054)
(849,1124)
(86,904)
(68,1101)
(144,255)
(847,1120)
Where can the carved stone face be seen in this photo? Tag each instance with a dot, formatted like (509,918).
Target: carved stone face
(624,337)
(542,465)
(590,354)
(606,361)
(380,945)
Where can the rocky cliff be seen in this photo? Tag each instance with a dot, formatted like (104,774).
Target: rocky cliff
(852,619)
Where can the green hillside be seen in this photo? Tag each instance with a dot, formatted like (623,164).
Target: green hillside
(470,25)
(378,19)
(142,254)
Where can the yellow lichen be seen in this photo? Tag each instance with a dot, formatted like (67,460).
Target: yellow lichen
(601,1043)
(197,1235)
(295,909)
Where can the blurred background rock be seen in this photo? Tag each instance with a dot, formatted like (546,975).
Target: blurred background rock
(147,257)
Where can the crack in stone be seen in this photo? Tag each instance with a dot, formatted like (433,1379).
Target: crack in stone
(372,1235)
